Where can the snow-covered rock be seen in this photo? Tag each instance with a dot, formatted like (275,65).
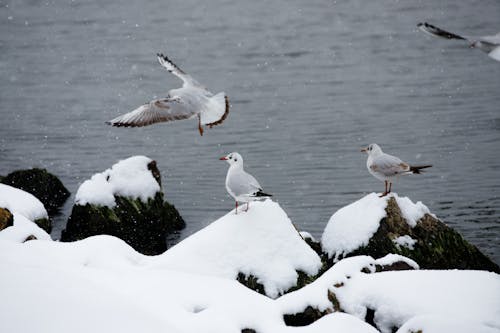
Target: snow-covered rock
(23,230)
(43,185)
(103,285)
(125,201)
(379,226)
(26,204)
(392,298)
(260,246)
(6,218)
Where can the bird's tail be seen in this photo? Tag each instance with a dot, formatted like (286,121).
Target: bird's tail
(435,31)
(417,168)
(261,194)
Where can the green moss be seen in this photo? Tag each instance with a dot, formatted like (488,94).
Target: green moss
(45,224)
(143,225)
(438,246)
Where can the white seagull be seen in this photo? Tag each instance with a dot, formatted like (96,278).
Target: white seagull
(192,100)
(242,186)
(487,44)
(387,167)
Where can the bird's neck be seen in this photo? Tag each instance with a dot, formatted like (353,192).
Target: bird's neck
(236,167)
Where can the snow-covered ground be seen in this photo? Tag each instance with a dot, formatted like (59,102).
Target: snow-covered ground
(261,242)
(353,225)
(129,178)
(101,284)
(21,202)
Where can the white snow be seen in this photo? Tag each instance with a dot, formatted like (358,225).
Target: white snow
(100,284)
(129,178)
(440,324)
(398,296)
(352,226)
(391,258)
(412,212)
(261,242)
(22,229)
(306,235)
(24,203)
(405,241)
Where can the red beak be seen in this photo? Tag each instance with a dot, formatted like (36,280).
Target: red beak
(223,158)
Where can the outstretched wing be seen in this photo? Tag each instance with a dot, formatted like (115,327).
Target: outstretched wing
(389,165)
(438,32)
(160,110)
(172,68)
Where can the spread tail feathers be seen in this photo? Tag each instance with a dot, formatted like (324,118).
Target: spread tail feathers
(417,168)
(435,31)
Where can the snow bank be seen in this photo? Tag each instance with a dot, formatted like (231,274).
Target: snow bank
(398,296)
(352,226)
(440,324)
(22,229)
(21,202)
(129,178)
(261,242)
(104,286)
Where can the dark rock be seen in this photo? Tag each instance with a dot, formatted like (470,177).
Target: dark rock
(437,245)
(396,266)
(143,225)
(29,238)
(6,218)
(43,185)
(45,224)
(310,314)
(248,330)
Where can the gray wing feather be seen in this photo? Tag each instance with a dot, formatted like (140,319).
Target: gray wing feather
(389,165)
(244,184)
(160,110)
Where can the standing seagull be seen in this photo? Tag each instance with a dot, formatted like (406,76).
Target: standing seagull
(386,167)
(192,100)
(242,186)
(488,44)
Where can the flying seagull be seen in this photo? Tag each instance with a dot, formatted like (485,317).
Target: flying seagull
(387,167)
(191,101)
(242,186)
(487,44)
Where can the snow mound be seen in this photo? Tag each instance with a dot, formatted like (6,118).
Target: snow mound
(393,258)
(21,202)
(398,296)
(440,324)
(129,178)
(352,226)
(261,242)
(22,229)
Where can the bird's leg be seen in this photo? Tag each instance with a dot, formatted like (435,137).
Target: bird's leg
(200,129)
(385,192)
(236,210)
(390,187)
(248,206)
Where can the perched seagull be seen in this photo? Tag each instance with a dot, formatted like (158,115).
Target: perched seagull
(488,44)
(242,186)
(192,100)
(386,167)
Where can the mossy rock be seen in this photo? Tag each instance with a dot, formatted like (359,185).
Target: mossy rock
(42,184)
(437,245)
(6,218)
(143,225)
(45,224)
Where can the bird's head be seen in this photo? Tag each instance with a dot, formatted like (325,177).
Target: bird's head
(232,158)
(372,149)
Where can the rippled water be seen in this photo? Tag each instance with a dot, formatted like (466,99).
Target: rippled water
(309,82)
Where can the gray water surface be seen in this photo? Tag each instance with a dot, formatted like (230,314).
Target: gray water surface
(310,82)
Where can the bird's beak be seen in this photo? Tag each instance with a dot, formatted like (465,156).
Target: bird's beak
(224,158)
(363,150)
